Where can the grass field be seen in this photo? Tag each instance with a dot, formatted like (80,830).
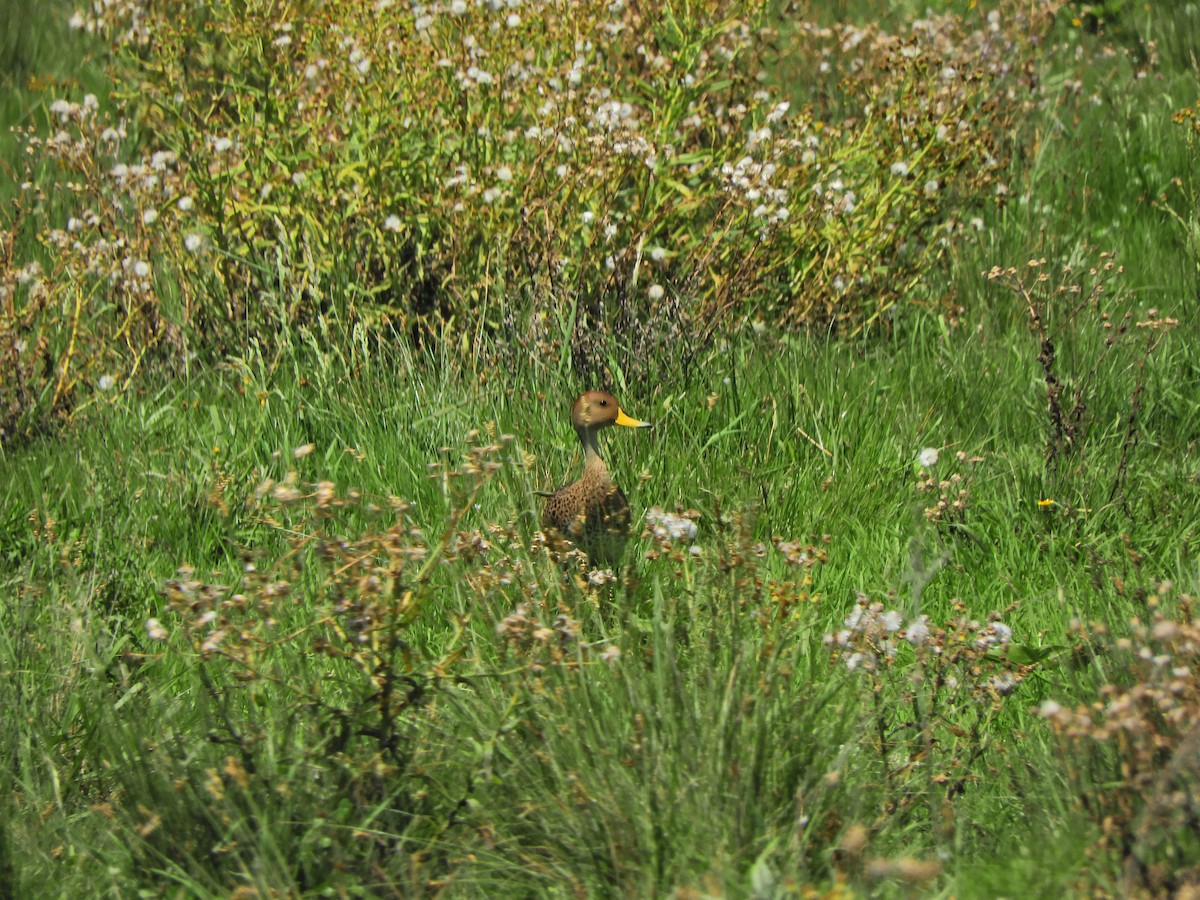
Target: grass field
(276,620)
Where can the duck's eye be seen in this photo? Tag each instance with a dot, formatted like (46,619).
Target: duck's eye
(604,403)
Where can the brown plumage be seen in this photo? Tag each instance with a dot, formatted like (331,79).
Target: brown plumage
(592,512)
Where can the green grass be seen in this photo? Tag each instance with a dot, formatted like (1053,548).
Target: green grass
(128,490)
(40,59)
(721,753)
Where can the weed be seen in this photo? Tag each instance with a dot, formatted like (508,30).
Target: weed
(1132,753)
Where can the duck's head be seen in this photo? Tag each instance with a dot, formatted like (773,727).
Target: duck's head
(598,409)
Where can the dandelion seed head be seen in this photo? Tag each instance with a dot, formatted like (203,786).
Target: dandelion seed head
(917,631)
(668,526)
(1049,709)
(779,111)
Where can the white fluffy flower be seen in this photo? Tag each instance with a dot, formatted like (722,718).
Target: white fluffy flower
(917,631)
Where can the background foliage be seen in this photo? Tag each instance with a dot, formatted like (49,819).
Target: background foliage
(294,300)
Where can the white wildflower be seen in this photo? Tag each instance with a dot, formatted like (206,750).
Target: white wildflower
(600,577)
(1004,683)
(918,631)
(668,526)
(1049,709)
(778,112)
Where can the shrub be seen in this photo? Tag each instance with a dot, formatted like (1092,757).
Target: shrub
(623,196)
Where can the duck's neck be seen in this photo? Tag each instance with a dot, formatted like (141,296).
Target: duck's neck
(591,452)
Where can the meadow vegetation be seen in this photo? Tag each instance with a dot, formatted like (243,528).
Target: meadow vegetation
(293,305)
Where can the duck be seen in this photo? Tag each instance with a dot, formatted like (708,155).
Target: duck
(592,512)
